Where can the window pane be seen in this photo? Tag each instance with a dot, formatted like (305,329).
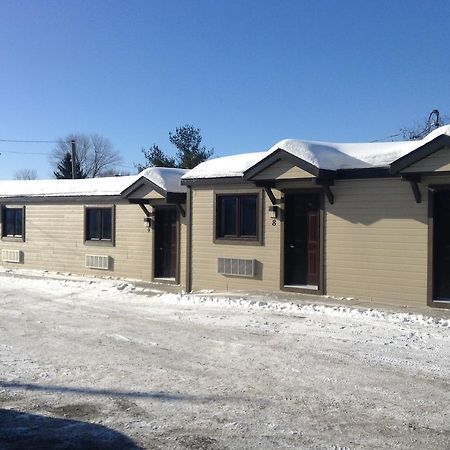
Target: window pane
(248,215)
(226,216)
(12,222)
(9,222)
(106,224)
(98,224)
(93,224)
(18,221)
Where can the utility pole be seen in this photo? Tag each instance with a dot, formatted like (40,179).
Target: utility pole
(74,155)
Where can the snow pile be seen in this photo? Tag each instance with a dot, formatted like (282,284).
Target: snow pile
(298,308)
(323,155)
(166,178)
(226,166)
(113,288)
(65,188)
(333,156)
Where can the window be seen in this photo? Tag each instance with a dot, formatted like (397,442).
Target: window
(13,224)
(99,224)
(237,216)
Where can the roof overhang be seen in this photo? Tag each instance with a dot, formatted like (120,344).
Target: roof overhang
(212,180)
(142,182)
(60,199)
(170,197)
(420,153)
(280,154)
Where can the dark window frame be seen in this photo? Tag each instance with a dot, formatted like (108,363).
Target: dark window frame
(13,237)
(89,240)
(238,236)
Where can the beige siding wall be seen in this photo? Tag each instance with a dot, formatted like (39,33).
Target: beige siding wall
(145,192)
(376,242)
(282,170)
(436,162)
(205,252)
(55,241)
(376,239)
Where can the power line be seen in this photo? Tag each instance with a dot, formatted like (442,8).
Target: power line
(388,137)
(24,153)
(29,141)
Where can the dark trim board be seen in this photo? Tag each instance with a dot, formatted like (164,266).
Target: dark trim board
(420,153)
(85,199)
(369,172)
(141,182)
(189,241)
(214,181)
(280,155)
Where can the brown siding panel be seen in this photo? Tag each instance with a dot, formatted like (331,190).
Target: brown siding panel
(282,170)
(55,242)
(376,242)
(205,252)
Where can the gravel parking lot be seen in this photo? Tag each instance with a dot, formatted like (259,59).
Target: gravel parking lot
(96,364)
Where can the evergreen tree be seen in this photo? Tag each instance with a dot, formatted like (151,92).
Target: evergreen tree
(156,158)
(65,168)
(187,139)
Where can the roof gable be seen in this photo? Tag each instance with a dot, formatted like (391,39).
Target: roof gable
(421,153)
(282,170)
(281,160)
(438,161)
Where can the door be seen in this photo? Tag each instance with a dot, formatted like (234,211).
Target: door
(166,243)
(441,266)
(302,240)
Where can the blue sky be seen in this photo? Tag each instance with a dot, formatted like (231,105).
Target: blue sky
(248,73)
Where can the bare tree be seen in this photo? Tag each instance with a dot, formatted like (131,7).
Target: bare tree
(428,124)
(115,173)
(95,153)
(26,174)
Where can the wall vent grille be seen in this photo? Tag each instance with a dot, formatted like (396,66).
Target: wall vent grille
(98,262)
(13,256)
(236,267)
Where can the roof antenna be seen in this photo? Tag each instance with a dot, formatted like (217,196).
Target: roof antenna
(436,122)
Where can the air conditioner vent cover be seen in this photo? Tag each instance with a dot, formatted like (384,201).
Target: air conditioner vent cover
(236,267)
(12,256)
(98,262)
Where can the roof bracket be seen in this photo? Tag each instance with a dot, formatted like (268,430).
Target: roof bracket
(416,191)
(326,181)
(270,194)
(144,208)
(414,181)
(329,194)
(181,209)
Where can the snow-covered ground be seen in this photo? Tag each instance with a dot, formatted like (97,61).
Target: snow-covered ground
(102,364)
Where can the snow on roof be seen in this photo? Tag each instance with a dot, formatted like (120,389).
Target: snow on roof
(323,155)
(166,178)
(226,166)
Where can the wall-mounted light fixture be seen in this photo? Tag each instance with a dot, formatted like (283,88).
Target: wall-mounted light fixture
(148,222)
(273,209)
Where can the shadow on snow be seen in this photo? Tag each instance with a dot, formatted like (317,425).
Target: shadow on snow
(20,430)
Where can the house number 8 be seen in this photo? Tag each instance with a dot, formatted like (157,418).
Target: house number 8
(274,222)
